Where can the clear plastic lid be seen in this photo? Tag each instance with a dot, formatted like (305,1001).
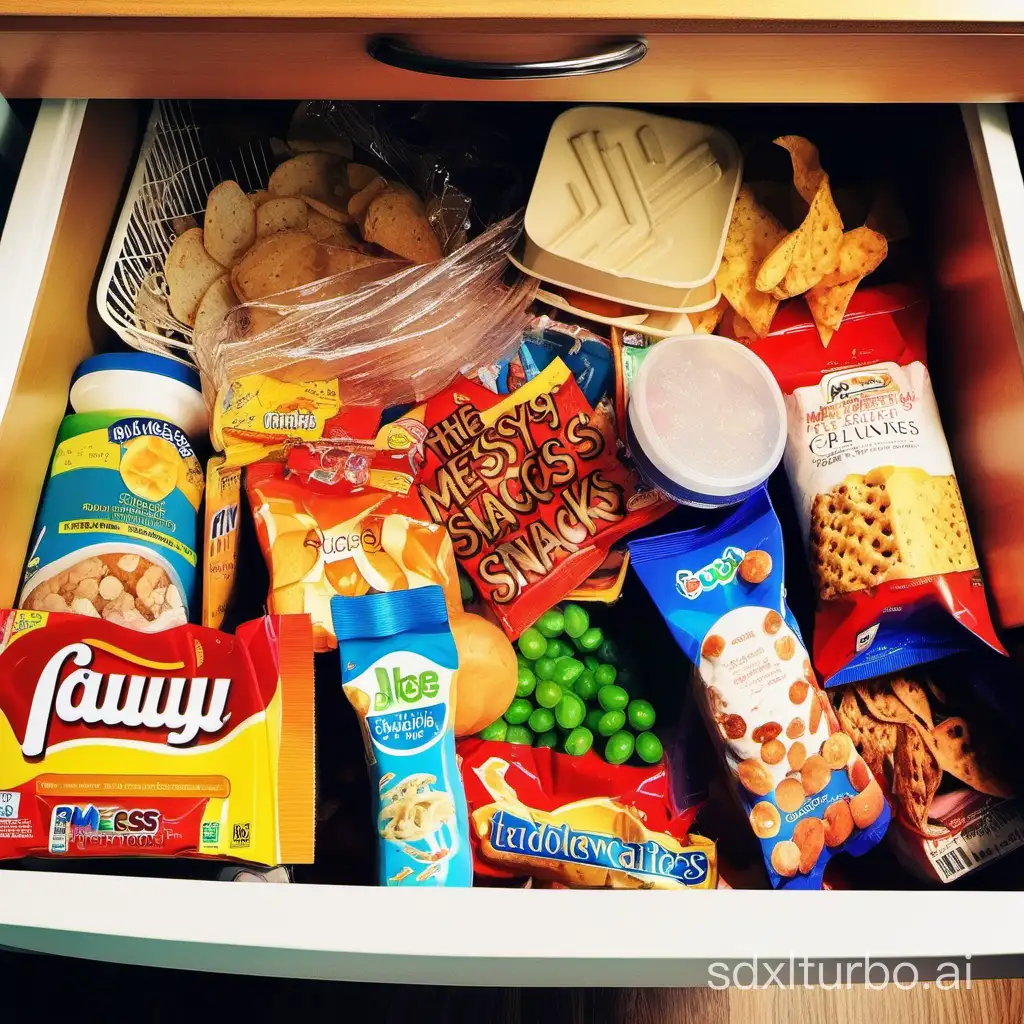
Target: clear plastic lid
(708,414)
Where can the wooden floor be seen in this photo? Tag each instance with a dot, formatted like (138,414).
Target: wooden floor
(93,986)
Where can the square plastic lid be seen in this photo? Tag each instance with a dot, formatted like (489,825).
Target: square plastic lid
(635,195)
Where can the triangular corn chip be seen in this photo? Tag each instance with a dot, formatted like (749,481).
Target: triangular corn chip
(707,320)
(863,250)
(807,172)
(828,305)
(753,233)
(809,253)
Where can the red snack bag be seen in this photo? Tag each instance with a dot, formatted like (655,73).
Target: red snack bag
(579,821)
(530,488)
(896,570)
(187,742)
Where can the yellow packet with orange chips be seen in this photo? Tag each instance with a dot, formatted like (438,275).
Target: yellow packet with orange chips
(259,417)
(336,521)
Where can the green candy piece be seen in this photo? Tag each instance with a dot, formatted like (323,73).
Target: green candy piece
(558,649)
(649,748)
(526,682)
(578,742)
(551,623)
(591,640)
(591,662)
(611,722)
(586,685)
(495,731)
(518,711)
(544,667)
(532,644)
(567,671)
(605,674)
(619,748)
(547,739)
(612,698)
(641,715)
(519,734)
(594,715)
(542,720)
(576,620)
(570,711)
(465,589)
(547,694)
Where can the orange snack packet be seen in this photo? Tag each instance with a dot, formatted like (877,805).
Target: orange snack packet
(345,521)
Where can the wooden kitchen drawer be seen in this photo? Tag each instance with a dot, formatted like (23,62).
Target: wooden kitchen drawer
(79,159)
(763,51)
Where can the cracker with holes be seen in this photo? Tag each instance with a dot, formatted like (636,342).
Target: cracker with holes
(884,520)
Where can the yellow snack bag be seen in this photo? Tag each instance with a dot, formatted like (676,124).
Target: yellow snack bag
(220,553)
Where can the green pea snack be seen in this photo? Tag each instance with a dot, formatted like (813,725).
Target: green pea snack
(571,670)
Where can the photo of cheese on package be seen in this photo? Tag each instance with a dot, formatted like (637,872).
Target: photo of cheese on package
(807,791)
(874,486)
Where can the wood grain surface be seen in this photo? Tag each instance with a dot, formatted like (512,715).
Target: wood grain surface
(260,59)
(240,998)
(925,11)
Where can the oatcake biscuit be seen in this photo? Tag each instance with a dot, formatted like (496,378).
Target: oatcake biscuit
(892,523)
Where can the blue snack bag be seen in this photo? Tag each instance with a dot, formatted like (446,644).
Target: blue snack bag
(807,792)
(398,659)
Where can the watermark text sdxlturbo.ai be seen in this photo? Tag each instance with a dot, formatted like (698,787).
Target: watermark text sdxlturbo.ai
(807,972)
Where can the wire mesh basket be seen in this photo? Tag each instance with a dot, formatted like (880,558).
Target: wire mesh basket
(167,196)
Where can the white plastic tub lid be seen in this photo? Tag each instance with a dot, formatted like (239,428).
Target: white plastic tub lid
(708,414)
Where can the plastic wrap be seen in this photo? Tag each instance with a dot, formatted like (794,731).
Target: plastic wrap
(392,332)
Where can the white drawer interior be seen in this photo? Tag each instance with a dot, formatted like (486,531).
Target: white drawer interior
(78,160)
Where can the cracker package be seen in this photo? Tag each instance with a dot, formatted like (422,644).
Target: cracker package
(531,489)
(807,792)
(333,520)
(890,549)
(578,821)
(183,743)
(943,759)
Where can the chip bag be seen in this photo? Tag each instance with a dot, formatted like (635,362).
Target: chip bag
(333,520)
(186,742)
(579,821)
(872,480)
(530,488)
(807,792)
(259,417)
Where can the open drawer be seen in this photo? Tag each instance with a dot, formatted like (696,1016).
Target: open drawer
(79,159)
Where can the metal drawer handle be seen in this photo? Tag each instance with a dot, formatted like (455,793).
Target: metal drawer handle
(619,53)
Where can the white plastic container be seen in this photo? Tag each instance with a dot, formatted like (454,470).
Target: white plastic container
(141,381)
(633,196)
(706,421)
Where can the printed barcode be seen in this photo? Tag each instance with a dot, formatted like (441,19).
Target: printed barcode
(954,862)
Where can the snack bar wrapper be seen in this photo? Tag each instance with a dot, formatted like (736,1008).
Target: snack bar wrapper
(889,545)
(259,417)
(807,791)
(530,488)
(334,521)
(579,821)
(186,742)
